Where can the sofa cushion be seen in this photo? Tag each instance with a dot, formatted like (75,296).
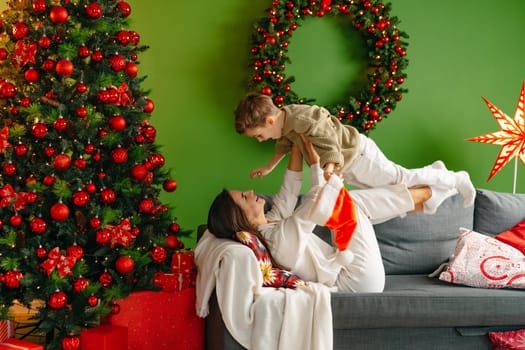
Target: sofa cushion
(421,301)
(496,212)
(419,243)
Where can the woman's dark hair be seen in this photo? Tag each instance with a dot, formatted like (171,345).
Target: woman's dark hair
(226,218)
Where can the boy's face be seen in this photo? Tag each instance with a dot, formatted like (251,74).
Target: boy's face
(268,131)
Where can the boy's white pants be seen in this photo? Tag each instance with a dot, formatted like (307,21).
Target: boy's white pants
(371,168)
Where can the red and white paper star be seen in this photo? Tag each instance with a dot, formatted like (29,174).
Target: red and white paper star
(511,137)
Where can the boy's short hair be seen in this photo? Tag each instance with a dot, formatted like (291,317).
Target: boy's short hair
(252,111)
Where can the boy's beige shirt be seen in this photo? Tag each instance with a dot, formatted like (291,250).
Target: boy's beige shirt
(334,142)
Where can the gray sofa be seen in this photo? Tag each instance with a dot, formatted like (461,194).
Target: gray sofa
(416,311)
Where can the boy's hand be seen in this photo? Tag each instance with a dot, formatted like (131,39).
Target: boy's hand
(260,172)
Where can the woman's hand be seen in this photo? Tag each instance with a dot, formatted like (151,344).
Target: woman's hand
(311,156)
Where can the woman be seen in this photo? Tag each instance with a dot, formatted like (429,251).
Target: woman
(287,230)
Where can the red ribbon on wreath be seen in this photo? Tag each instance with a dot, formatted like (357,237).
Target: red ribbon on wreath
(63,264)
(24,53)
(9,196)
(4,139)
(121,233)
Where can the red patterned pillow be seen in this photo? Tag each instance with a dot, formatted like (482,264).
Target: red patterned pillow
(482,261)
(510,340)
(514,236)
(272,276)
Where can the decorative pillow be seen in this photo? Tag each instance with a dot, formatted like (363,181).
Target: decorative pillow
(514,236)
(482,261)
(509,340)
(272,276)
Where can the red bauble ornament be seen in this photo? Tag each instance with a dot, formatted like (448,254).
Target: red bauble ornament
(124,265)
(9,169)
(124,8)
(12,279)
(59,211)
(172,242)
(158,254)
(92,300)
(39,130)
(123,37)
(81,112)
(132,69)
(83,51)
(48,180)
(157,160)
(64,67)
(25,102)
(7,89)
(3,54)
(81,88)
(169,185)
(108,196)
(118,62)
(80,163)
(48,65)
(41,252)
(75,251)
(44,41)
(80,284)
(139,172)
(80,198)
(91,187)
(71,342)
(38,225)
(57,300)
(62,162)
(119,155)
(94,10)
(31,75)
(20,30)
(105,279)
(49,151)
(149,107)
(97,56)
(146,206)
(20,150)
(115,309)
(117,123)
(134,37)
(94,222)
(174,227)
(39,6)
(60,124)
(15,220)
(58,14)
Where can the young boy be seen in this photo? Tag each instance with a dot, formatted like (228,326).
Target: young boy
(342,149)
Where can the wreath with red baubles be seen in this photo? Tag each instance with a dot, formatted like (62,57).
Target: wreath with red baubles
(371,19)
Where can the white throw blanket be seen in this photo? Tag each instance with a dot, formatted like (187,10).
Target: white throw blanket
(257,317)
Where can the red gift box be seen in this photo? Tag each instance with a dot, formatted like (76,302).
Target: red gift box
(174,282)
(104,337)
(161,321)
(7,329)
(182,261)
(18,344)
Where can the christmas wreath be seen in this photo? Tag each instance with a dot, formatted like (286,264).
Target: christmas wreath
(372,20)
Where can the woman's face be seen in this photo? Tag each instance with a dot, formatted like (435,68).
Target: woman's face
(251,204)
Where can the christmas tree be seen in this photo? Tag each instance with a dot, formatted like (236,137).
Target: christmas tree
(81,223)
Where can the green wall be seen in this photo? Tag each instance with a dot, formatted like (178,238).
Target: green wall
(458,52)
(196,68)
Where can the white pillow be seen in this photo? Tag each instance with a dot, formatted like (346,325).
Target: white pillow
(482,261)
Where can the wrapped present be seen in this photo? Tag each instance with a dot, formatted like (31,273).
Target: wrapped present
(182,261)
(174,282)
(161,320)
(7,329)
(12,343)
(25,322)
(104,337)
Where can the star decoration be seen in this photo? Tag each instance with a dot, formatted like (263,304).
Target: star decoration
(511,136)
